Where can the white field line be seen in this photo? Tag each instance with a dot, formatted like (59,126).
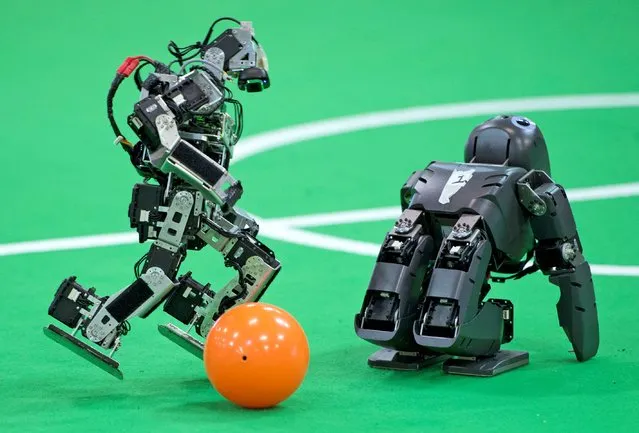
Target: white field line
(299,236)
(277,228)
(72,243)
(273,231)
(392,212)
(282,228)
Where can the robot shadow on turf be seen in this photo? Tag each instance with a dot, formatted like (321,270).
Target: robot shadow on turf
(186,140)
(497,213)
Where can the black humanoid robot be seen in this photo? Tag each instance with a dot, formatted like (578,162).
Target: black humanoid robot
(186,201)
(460,224)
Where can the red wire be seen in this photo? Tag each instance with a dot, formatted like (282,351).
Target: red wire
(130,64)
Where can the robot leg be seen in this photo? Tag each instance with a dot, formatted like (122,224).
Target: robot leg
(390,303)
(196,305)
(184,303)
(104,320)
(454,319)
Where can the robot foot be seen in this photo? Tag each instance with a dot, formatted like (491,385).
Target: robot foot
(394,360)
(82,349)
(183,339)
(76,307)
(187,304)
(501,362)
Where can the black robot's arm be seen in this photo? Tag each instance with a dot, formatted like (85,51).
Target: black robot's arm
(559,255)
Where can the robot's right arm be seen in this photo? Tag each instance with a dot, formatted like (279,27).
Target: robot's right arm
(155,120)
(559,255)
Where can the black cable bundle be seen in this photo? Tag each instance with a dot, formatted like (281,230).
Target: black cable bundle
(183,54)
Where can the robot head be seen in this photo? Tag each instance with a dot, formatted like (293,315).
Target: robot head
(239,55)
(508,140)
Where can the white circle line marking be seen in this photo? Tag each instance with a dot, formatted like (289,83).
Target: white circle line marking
(341,125)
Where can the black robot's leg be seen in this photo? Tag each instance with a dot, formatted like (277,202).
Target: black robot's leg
(103,320)
(196,305)
(454,319)
(390,304)
(559,255)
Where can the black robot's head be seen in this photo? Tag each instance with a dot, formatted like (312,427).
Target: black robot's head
(508,140)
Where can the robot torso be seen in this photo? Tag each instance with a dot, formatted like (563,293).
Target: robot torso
(448,190)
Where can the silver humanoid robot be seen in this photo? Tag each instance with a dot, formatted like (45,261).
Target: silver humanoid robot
(462,223)
(186,202)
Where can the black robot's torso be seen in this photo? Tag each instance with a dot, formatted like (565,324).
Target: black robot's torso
(445,191)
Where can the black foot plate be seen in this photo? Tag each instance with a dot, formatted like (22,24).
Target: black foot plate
(504,360)
(394,360)
(84,350)
(182,339)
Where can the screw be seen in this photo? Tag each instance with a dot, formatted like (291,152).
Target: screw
(538,208)
(403,226)
(461,231)
(568,252)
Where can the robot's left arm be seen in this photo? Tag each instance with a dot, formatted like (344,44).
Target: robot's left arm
(559,255)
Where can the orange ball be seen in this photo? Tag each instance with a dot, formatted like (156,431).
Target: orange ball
(256,355)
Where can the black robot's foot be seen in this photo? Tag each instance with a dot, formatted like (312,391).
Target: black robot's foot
(395,360)
(501,362)
(87,352)
(182,339)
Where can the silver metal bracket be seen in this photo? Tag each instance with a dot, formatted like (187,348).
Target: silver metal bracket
(526,191)
(176,219)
